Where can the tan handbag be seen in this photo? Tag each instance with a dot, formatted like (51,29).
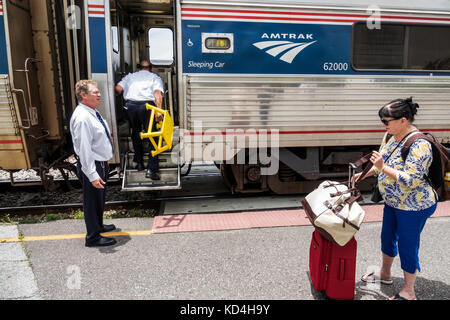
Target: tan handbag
(332,207)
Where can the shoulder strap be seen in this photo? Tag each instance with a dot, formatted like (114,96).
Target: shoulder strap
(444,152)
(409,142)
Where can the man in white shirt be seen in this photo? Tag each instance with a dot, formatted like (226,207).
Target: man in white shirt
(139,88)
(93,145)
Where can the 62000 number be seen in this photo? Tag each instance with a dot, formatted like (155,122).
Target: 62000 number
(335,66)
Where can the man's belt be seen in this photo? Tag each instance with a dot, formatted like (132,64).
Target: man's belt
(141,102)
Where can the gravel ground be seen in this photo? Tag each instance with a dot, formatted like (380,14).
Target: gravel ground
(36,195)
(35,198)
(24,175)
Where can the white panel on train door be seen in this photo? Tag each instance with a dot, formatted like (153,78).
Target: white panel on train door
(100,62)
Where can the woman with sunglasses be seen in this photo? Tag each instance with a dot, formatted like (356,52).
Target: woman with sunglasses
(409,198)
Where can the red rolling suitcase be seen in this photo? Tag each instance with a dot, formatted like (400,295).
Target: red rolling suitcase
(332,267)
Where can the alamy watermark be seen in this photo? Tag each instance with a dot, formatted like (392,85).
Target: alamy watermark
(74,277)
(73,20)
(374,20)
(229,146)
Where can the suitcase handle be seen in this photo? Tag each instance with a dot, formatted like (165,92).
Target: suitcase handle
(353,166)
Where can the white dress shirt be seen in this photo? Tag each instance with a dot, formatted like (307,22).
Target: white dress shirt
(90,141)
(139,86)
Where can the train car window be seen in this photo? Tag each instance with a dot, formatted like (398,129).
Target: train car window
(401,47)
(160,42)
(429,48)
(217,43)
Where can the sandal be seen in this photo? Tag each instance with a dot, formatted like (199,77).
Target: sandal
(375,279)
(399,297)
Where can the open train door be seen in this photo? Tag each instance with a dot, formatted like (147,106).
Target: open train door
(145,29)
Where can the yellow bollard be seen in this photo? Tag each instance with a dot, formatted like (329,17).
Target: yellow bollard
(165,134)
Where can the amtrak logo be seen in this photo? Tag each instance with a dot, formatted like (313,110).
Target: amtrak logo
(288,49)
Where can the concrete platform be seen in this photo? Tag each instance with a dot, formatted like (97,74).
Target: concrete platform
(254,263)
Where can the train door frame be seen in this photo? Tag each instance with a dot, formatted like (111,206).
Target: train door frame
(99,61)
(94,9)
(139,25)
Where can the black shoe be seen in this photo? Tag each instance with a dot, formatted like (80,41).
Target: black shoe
(108,227)
(152,175)
(101,242)
(140,166)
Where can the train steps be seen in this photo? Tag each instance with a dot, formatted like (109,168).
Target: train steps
(169,164)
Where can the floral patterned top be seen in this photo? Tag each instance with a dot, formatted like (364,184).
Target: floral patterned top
(411,191)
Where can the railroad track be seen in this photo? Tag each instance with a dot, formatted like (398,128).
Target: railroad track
(32,200)
(152,203)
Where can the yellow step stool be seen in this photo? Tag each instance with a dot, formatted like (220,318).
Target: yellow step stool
(165,134)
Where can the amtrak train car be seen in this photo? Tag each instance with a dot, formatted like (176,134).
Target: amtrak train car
(278,93)
(317,71)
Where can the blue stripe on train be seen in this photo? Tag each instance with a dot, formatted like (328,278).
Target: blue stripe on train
(321,49)
(98,45)
(3,55)
(254,53)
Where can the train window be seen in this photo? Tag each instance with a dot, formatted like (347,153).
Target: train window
(160,42)
(429,48)
(401,47)
(217,43)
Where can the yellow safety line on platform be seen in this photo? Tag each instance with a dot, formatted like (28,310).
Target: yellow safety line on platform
(75,236)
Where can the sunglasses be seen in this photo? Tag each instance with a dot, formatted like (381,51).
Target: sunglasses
(386,122)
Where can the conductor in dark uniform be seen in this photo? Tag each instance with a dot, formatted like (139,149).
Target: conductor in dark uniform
(93,145)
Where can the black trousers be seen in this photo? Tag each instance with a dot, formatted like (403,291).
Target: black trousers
(139,117)
(94,201)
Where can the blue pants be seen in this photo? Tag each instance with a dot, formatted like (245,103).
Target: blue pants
(401,233)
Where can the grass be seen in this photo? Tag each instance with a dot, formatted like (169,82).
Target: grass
(77,214)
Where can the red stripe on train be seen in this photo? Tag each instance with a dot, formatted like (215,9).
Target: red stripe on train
(313,14)
(232,132)
(96,12)
(263,18)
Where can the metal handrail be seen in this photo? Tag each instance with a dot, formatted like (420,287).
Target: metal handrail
(26,70)
(26,109)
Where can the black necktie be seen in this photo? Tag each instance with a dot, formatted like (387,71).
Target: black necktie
(104,126)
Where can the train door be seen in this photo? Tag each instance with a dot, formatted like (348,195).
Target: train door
(23,139)
(145,30)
